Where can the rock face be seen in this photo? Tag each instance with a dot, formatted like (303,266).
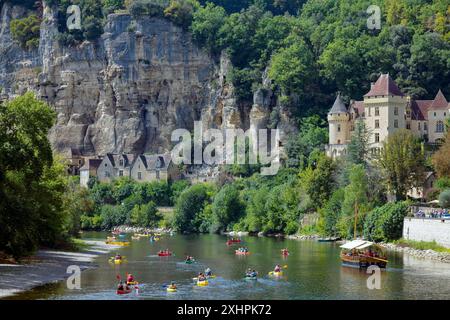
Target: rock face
(125,92)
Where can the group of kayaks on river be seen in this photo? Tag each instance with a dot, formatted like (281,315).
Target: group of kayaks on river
(201,279)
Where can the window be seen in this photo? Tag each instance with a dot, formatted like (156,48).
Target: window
(339,128)
(120,173)
(377,111)
(408,113)
(121,163)
(377,124)
(396,111)
(339,142)
(425,126)
(395,123)
(439,126)
(139,175)
(408,125)
(435,114)
(418,126)
(377,137)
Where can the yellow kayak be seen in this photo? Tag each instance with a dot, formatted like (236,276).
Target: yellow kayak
(202,283)
(118,243)
(171,289)
(207,277)
(276,274)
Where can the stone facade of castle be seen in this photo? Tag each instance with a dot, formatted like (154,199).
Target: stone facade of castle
(384,110)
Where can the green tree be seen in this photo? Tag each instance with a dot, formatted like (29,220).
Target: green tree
(318,182)
(444,198)
(189,205)
(227,208)
(402,162)
(358,148)
(145,215)
(26,31)
(205,26)
(32,184)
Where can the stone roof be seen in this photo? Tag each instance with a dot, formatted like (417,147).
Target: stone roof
(91,164)
(151,161)
(384,86)
(338,106)
(115,159)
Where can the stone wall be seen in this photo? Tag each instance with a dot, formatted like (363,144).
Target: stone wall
(427,230)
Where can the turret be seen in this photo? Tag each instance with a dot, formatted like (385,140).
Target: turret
(339,122)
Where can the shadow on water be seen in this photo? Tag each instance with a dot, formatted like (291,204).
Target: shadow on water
(313,271)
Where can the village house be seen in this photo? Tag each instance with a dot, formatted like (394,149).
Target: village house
(157,167)
(384,110)
(89,170)
(427,186)
(115,166)
(74,161)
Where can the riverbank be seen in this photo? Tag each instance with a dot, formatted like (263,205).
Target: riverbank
(47,266)
(418,253)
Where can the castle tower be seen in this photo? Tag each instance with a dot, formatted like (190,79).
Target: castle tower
(339,128)
(385,109)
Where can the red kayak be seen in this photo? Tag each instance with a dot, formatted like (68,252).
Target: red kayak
(285,253)
(164,254)
(124,291)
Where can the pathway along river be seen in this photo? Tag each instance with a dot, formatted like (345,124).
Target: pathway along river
(314,272)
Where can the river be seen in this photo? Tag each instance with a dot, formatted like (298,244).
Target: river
(313,271)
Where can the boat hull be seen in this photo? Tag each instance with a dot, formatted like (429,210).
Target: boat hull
(362,262)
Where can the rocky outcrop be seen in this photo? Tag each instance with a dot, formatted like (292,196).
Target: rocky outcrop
(125,92)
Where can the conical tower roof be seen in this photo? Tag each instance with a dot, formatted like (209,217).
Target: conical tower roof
(439,102)
(338,106)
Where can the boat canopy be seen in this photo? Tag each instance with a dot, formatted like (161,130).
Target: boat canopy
(357,244)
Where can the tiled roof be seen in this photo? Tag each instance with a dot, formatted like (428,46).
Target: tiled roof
(338,106)
(439,102)
(384,86)
(358,106)
(420,108)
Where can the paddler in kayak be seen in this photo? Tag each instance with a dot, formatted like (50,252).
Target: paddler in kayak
(172,286)
(208,272)
(189,259)
(130,278)
(251,273)
(201,277)
(277,269)
(285,252)
(118,257)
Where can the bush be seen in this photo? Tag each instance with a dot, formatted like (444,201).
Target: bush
(180,12)
(26,31)
(444,199)
(113,216)
(152,8)
(386,223)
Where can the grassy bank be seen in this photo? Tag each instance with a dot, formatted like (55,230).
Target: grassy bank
(421,245)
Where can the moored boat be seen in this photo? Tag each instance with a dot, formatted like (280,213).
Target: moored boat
(363,254)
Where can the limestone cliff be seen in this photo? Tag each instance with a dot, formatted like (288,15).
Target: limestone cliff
(125,92)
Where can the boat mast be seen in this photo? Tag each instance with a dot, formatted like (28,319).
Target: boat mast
(356,218)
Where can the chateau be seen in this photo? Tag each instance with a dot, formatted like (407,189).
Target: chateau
(384,110)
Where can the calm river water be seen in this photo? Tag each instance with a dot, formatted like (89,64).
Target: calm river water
(313,271)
